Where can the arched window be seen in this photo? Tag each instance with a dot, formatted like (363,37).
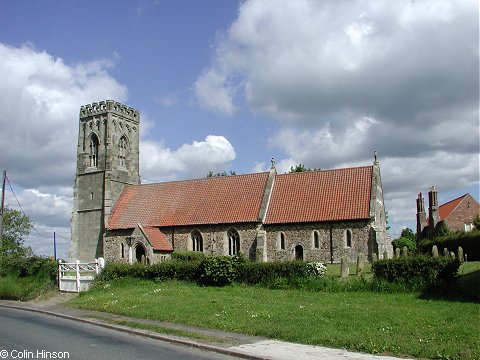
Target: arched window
(122,151)
(348,238)
(281,241)
(316,240)
(93,151)
(197,241)
(233,242)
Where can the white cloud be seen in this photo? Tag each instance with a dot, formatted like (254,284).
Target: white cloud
(343,79)
(160,163)
(40,97)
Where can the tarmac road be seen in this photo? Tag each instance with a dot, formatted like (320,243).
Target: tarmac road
(29,335)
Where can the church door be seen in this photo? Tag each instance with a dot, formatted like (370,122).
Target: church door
(139,253)
(299,252)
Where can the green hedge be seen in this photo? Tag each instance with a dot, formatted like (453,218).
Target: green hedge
(417,272)
(469,242)
(188,255)
(212,271)
(173,270)
(252,273)
(28,266)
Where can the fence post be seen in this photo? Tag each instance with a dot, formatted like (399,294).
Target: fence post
(77,275)
(59,278)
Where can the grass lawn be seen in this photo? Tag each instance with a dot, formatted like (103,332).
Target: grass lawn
(399,323)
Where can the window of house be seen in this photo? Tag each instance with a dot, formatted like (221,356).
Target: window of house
(122,151)
(93,151)
(316,240)
(469,227)
(122,251)
(233,242)
(197,241)
(348,238)
(281,241)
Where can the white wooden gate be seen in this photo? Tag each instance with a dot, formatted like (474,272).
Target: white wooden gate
(77,276)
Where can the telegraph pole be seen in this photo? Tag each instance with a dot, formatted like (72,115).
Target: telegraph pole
(1,206)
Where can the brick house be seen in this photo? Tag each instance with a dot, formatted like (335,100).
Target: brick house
(458,214)
(318,215)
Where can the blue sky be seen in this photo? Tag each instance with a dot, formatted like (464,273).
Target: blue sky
(226,85)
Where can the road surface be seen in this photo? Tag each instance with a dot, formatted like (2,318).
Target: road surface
(28,335)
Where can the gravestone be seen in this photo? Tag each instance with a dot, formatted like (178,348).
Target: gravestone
(435,251)
(344,271)
(360,263)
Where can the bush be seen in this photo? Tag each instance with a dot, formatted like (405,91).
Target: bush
(28,266)
(417,272)
(404,241)
(174,270)
(469,242)
(259,272)
(219,270)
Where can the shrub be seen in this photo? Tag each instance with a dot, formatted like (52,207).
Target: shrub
(262,273)
(175,270)
(417,272)
(219,270)
(404,241)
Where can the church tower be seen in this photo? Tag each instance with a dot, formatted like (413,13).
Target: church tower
(107,159)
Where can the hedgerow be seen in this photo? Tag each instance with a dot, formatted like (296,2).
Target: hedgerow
(417,272)
(468,241)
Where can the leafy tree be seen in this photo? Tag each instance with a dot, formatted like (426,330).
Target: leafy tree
(212,174)
(300,168)
(408,233)
(15,227)
(476,222)
(407,238)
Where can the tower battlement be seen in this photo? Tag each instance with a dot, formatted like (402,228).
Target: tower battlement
(108,105)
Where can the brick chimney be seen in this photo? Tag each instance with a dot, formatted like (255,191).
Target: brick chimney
(433,214)
(421,216)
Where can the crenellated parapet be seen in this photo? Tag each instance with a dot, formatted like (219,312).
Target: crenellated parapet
(109,106)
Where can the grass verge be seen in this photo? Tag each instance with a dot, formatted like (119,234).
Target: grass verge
(400,323)
(159,329)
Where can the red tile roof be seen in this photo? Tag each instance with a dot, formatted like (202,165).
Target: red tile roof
(215,200)
(325,195)
(157,239)
(447,208)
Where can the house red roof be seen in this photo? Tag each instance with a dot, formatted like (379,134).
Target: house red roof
(214,200)
(157,239)
(447,208)
(316,196)
(325,195)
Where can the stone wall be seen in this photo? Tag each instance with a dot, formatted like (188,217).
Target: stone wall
(215,241)
(303,234)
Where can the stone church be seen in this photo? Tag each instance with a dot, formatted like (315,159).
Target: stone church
(319,215)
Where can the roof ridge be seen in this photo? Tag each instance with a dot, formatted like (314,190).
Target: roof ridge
(327,170)
(456,199)
(208,178)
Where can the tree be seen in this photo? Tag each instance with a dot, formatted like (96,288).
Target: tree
(212,174)
(15,227)
(476,222)
(407,238)
(300,168)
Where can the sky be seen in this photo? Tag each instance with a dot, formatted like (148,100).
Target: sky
(226,85)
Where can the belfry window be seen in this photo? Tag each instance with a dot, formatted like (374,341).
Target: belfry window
(233,242)
(122,151)
(93,151)
(197,241)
